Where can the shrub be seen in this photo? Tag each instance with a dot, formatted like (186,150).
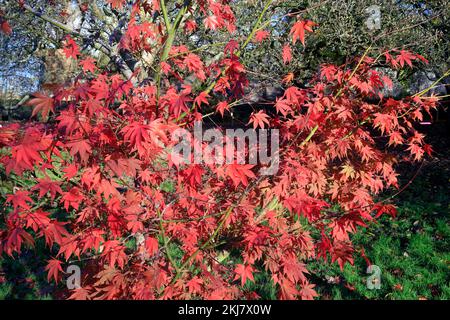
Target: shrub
(103,188)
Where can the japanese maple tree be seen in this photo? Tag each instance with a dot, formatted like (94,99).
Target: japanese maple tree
(97,153)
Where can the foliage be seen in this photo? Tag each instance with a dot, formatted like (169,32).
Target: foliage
(411,250)
(102,186)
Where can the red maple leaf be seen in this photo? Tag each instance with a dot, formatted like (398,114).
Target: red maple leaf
(151,245)
(231,46)
(221,107)
(136,134)
(307,292)
(381,208)
(259,119)
(405,57)
(47,185)
(211,22)
(14,241)
(384,121)
(287,54)
(70,48)
(244,272)
(81,147)
(299,28)
(193,62)
(201,98)
(190,26)
(54,269)
(239,173)
(115,253)
(80,294)
(283,107)
(27,153)
(195,285)
(294,270)
(88,64)
(261,35)
(20,199)
(72,198)
(41,103)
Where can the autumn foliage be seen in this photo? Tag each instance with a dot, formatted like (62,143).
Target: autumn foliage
(97,153)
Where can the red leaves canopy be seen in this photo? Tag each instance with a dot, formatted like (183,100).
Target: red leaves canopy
(152,229)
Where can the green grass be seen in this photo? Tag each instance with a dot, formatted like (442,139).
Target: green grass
(412,250)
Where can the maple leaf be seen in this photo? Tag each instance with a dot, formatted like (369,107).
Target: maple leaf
(287,289)
(221,107)
(193,62)
(80,294)
(211,22)
(416,151)
(299,28)
(195,285)
(122,167)
(47,185)
(88,64)
(239,173)
(15,238)
(72,198)
(190,26)
(405,57)
(201,98)
(115,253)
(287,54)
(93,240)
(70,48)
(259,119)
(41,103)
(307,292)
(428,149)
(136,134)
(342,252)
(294,270)
(54,232)
(27,154)
(151,245)
(180,104)
(385,122)
(288,78)
(81,147)
(19,199)
(261,35)
(328,71)
(231,47)
(100,88)
(282,106)
(54,269)
(244,272)
(388,209)
(395,138)
(8,134)
(348,171)
(38,219)
(70,171)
